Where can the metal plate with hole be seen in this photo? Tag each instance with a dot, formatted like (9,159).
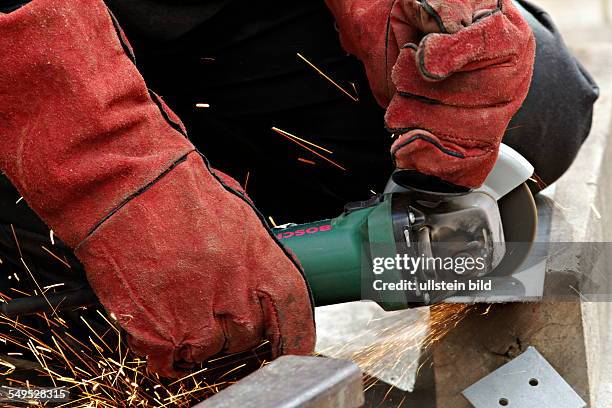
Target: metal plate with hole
(528,381)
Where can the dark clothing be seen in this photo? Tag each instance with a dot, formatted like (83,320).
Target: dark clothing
(7,6)
(241,59)
(555,119)
(164,20)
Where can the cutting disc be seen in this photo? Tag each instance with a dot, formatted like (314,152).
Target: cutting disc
(520,221)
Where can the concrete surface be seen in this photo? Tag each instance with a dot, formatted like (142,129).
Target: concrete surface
(585,193)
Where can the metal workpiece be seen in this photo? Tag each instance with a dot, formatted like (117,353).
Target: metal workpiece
(528,381)
(295,382)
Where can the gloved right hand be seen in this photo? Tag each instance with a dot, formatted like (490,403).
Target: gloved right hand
(451,73)
(180,258)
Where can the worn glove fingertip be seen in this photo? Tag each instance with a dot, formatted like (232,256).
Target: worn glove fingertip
(287,333)
(404,67)
(433,59)
(159,355)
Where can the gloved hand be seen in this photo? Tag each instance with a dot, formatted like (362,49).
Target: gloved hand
(180,258)
(451,73)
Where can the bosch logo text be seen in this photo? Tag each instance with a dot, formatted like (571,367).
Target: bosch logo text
(302,232)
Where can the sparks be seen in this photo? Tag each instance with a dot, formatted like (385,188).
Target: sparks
(400,340)
(66,264)
(334,83)
(98,369)
(294,140)
(285,133)
(303,160)
(246,181)
(272,221)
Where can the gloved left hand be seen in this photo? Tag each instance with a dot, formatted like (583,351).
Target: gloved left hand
(176,252)
(451,73)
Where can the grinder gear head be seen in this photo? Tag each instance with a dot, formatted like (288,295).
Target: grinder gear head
(457,235)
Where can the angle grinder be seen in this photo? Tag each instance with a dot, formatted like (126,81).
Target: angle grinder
(413,219)
(418,219)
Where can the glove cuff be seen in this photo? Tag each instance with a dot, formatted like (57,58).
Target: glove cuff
(82,134)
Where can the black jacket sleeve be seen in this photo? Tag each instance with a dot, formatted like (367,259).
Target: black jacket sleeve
(555,119)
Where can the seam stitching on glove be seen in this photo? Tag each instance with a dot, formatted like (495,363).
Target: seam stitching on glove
(261,294)
(387,35)
(421,55)
(387,32)
(432,12)
(135,194)
(421,58)
(158,101)
(420,98)
(126,48)
(222,321)
(431,101)
(429,140)
(402,131)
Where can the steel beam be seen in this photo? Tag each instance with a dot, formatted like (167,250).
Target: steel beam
(295,382)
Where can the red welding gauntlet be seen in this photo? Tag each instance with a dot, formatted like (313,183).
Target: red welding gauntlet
(451,73)
(179,257)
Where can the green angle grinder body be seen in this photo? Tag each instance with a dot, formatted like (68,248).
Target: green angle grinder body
(495,224)
(353,256)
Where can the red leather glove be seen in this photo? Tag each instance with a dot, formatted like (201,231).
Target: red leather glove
(451,73)
(179,257)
